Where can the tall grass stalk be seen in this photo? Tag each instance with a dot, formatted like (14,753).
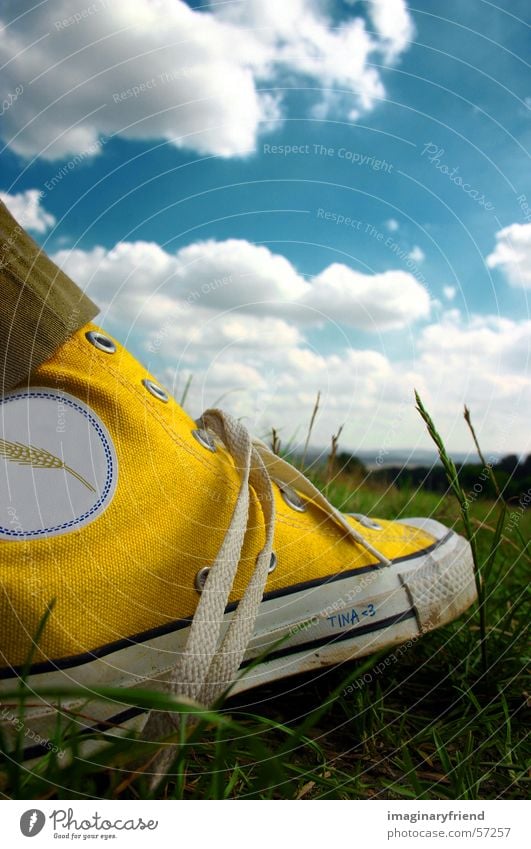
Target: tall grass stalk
(310,428)
(487,466)
(457,489)
(332,457)
(186,389)
(275,441)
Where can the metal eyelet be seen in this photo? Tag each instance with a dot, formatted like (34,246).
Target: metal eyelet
(292,498)
(272,563)
(101,342)
(155,390)
(366,522)
(204,439)
(200,578)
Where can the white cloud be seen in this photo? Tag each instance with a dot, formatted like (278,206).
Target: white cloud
(393,24)
(392,225)
(26,208)
(373,301)
(483,362)
(416,254)
(449,292)
(236,274)
(512,254)
(256,274)
(160,69)
(489,347)
(264,364)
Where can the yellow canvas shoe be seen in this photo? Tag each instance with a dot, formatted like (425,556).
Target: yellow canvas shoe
(176,552)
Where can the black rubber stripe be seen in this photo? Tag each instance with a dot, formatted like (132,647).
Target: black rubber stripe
(86,657)
(340,576)
(346,635)
(40,749)
(36,751)
(118,718)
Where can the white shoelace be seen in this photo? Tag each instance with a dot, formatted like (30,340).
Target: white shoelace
(214,651)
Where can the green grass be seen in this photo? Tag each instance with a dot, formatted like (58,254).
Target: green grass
(426,721)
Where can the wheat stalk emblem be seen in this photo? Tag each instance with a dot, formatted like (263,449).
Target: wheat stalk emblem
(37,458)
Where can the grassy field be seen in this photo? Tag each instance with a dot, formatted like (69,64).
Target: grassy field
(436,719)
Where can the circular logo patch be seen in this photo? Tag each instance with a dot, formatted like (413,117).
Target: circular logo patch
(32,822)
(58,468)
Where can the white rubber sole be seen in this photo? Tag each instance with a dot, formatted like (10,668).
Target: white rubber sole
(306,627)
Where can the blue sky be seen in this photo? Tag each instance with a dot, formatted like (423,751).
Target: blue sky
(282,198)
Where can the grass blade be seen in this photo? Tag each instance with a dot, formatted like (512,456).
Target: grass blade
(457,489)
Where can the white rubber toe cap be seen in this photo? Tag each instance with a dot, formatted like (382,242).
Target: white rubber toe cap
(430,526)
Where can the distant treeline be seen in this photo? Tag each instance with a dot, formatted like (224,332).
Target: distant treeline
(513,478)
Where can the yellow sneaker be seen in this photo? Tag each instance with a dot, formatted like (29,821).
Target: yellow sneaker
(177,551)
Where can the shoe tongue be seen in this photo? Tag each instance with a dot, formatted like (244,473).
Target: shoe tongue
(282,471)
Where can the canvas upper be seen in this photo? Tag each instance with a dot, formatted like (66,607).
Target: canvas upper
(131,565)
